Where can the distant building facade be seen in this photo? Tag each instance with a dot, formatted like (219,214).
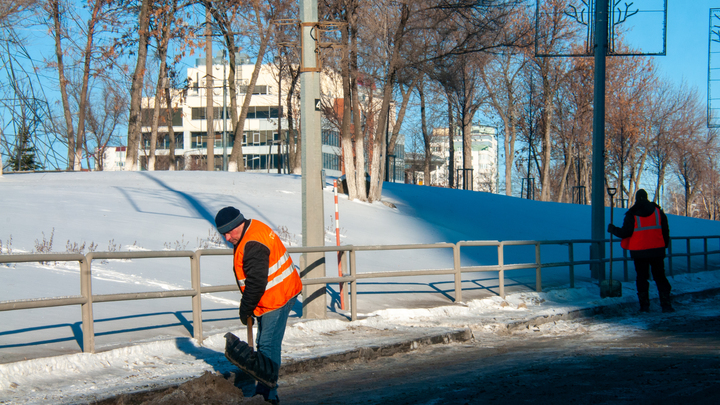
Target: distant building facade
(264,147)
(484,173)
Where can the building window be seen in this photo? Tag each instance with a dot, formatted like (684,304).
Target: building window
(257,90)
(198,113)
(331,138)
(260,138)
(331,161)
(163,140)
(148,113)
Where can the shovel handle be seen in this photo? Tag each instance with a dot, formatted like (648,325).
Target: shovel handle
(250,332)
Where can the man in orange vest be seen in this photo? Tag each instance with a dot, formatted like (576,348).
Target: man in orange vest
(268,280)
(645,233)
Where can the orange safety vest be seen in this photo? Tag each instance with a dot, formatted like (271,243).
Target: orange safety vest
(647,233)
(283,276)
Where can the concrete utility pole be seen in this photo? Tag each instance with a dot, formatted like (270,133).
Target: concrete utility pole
(313,228)
(597,250)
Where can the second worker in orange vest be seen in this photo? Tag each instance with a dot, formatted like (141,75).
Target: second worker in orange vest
(645,233)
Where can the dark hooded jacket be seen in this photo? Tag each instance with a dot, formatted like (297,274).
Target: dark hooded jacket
(643,208)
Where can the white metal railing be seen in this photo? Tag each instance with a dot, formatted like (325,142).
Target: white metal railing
(350,273)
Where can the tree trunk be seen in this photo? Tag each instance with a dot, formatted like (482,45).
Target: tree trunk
(82,102)
(346,130)
(548,112)
(56,17)
(134,121)
(566,171)
(162,84)
(171,130)
(398,123)
(294,141)
(209,90)
(451,141)
(236,160)
(427,138)
(377,172)
(359,173)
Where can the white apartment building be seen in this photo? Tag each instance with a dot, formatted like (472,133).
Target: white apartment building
(261,140)
(262,147)
(484,174)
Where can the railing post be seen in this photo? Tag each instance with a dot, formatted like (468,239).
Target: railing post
(571,258)
(353,287)
(88,326)
(501,272)
(538,276)
(197,297)
(458,274)
(705,254)
(689,268)
(344,265)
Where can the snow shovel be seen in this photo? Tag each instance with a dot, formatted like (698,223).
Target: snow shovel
(610,287)
(254,363)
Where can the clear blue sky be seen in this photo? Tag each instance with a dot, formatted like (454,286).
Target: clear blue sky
(687,43)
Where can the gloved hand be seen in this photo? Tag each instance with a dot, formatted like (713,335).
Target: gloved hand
(244,316)
(611,228)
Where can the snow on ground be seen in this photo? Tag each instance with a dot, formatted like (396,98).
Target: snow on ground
(156,211)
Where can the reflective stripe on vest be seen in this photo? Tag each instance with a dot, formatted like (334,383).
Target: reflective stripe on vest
(647,233)
(283,276)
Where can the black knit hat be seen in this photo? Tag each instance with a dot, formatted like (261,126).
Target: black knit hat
(641,195)
(228,219)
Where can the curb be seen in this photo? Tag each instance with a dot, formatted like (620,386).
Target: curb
(461,335)
(373,352)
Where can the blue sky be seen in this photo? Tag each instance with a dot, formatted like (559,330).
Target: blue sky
(687,43)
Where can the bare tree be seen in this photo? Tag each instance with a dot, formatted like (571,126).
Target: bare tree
(252,17)
(166,11)
(687,163)
(554,34)
(667,116)
(500,77)
(10,11)
(574,129)
(92,57)
(105,115)
(629,83)
(138,77)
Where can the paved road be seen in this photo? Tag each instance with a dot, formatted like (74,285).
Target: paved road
(621,358)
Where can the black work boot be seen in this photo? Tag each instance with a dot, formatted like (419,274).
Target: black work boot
(665,302)
(644,299)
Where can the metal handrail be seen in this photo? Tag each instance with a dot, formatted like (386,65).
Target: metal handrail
(349,267)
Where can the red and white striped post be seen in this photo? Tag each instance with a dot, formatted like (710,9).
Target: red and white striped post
(337,240)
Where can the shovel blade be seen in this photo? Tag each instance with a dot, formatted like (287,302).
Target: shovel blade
(610,288)
(250,361)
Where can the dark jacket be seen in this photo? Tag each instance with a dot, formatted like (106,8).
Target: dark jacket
(256,259)
(643,208)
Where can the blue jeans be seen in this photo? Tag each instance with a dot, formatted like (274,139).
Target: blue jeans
(271,329)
